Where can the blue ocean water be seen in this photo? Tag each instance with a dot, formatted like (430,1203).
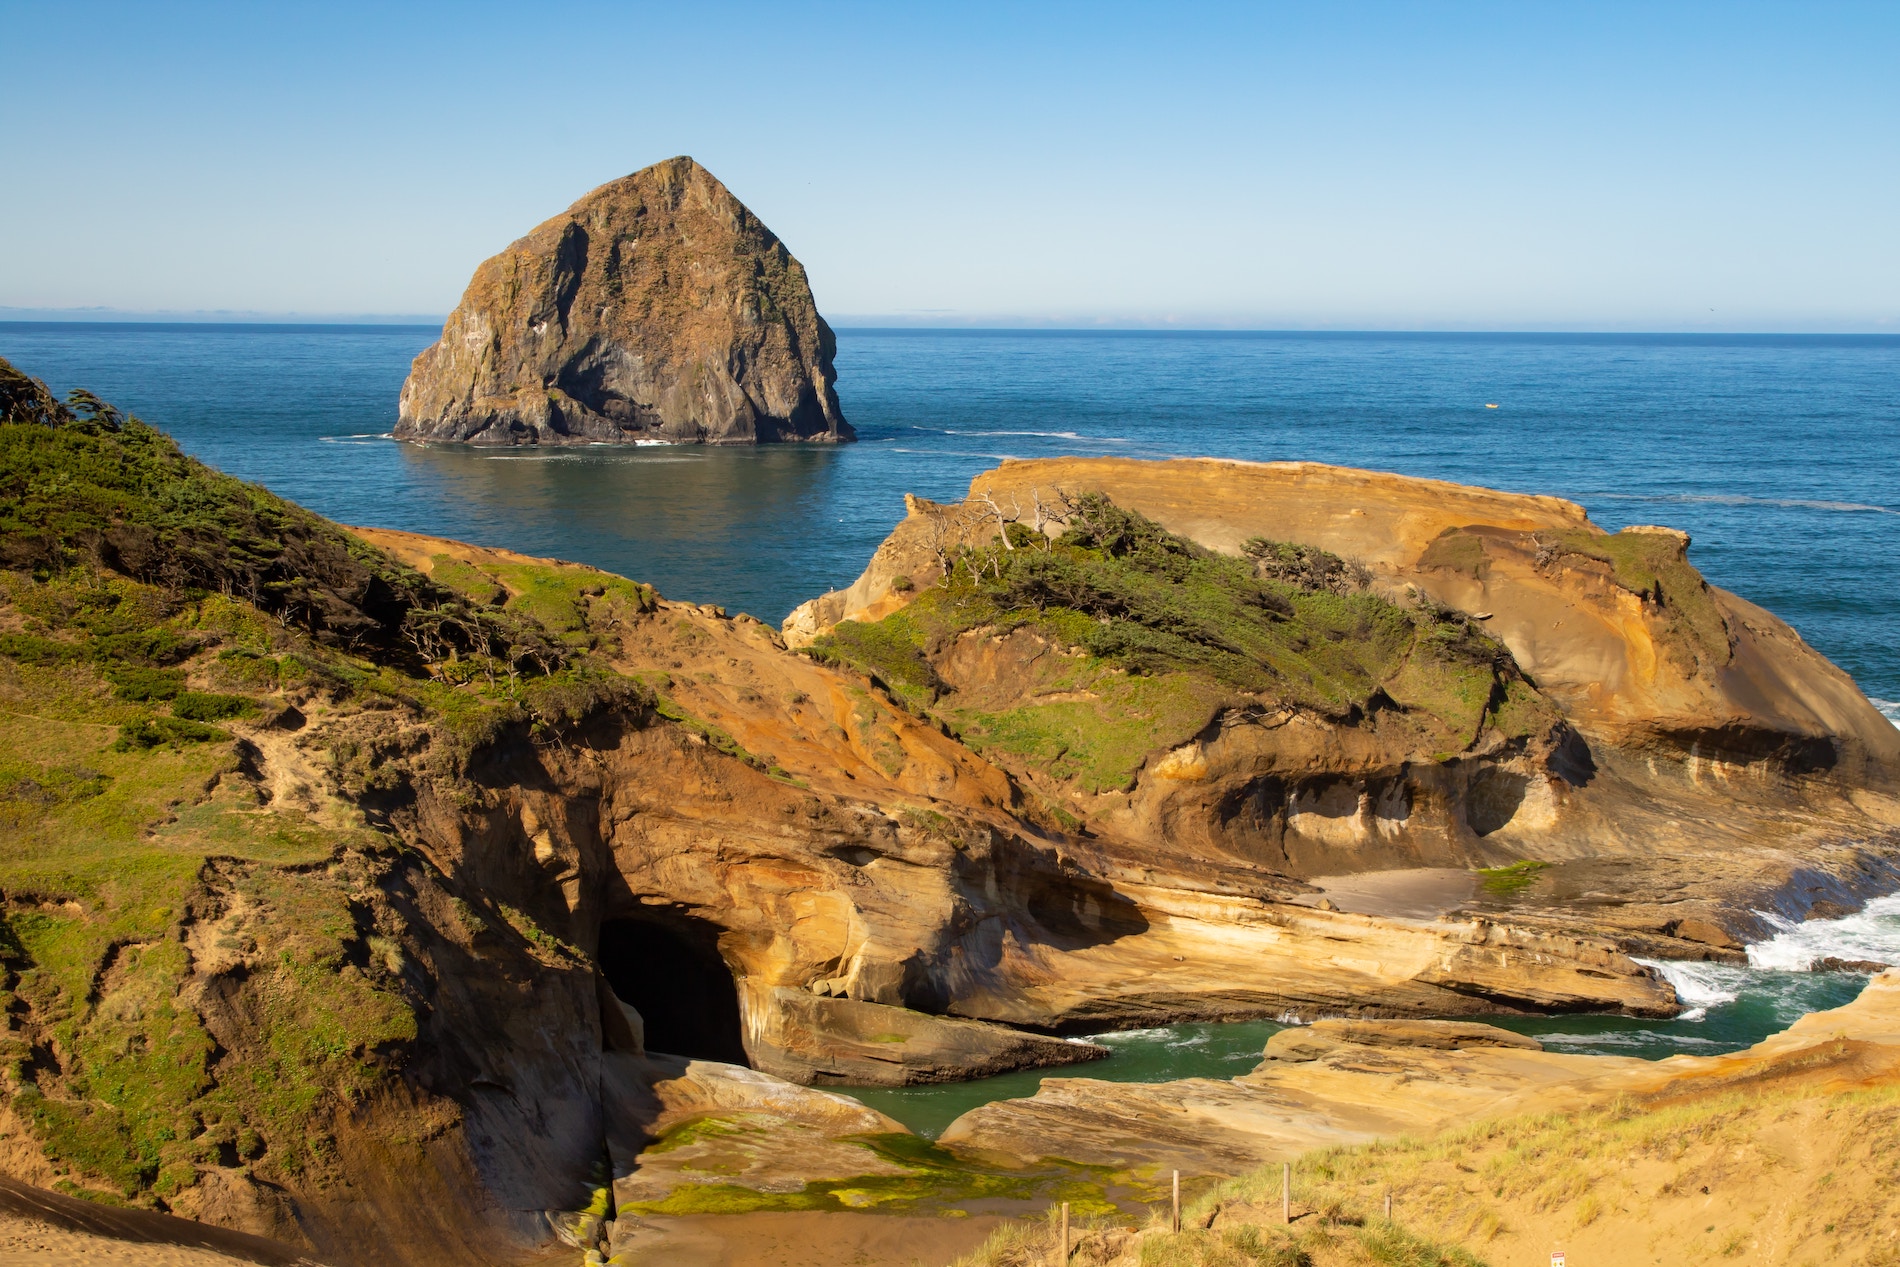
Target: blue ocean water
(1779,454)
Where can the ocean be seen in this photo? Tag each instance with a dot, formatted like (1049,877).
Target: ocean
(1779,454)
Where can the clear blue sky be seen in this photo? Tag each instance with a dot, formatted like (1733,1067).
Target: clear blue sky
(1658,166)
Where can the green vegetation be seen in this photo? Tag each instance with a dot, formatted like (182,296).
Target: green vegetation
(151,609)
(1654,566)
(932,1178)
(1138,636)
(1512,878)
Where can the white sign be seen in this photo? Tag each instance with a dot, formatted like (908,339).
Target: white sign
(1557,1259)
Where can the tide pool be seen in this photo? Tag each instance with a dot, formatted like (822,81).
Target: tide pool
(1729,1007)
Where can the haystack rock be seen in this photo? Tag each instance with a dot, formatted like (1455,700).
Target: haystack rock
(655,309)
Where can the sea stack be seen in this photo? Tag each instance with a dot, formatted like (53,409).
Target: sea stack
(657,309)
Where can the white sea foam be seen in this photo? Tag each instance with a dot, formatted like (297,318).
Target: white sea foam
(1625,1038)
(1700,986)
(1130,1036)
(1890,709)
(1871,933)
(1741,499)
(1052,435)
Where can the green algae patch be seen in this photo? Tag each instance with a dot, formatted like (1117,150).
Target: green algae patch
(1511,879)
(933,1179)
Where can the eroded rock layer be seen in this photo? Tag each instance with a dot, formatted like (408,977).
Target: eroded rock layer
(655,309)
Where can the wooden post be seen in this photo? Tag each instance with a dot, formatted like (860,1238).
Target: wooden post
(1177,1201)
(1388,1205)
(1286,1192)
(1065,1234)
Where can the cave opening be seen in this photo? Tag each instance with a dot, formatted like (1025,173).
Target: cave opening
(672,974)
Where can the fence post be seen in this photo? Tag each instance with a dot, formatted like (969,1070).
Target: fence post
(1177,1201)
(1286,1192)
(1065,1234)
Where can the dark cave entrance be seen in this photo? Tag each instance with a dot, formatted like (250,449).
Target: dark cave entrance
(672,974)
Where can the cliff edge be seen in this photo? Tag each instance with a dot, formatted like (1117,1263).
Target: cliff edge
(657,309)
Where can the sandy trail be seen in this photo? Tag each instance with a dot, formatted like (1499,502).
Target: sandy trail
(50,1229)
(25,1242)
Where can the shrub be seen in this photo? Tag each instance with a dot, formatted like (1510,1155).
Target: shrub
(158,732)
(139,684)
(210,706)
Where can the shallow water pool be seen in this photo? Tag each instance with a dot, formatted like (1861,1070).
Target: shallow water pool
(1729,1007)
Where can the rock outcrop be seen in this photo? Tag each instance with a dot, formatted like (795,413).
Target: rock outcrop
(1683,722)
(655,309)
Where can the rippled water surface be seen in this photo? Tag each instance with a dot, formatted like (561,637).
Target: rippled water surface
(1778,454)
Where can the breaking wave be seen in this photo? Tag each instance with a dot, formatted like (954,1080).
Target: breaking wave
(1779,966)
(1889,709)
(1700,986)
(1870,934)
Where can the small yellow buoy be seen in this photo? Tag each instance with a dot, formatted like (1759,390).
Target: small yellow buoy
(1490,406)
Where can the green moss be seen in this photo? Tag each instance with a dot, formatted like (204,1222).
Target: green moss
(933,1178)
(1655,566)
(890,650)
(1512,878)
(1455,550)
(1099,742)
(715,736)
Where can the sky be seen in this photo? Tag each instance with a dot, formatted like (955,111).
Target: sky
(1533,165)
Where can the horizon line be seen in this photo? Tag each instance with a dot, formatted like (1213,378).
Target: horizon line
(295,322)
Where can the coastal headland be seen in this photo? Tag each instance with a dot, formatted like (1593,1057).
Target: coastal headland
(407,901)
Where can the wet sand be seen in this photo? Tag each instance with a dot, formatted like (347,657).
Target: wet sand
(1414,893)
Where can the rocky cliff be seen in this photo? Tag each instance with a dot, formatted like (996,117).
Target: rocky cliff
(655,309)
(1578,704)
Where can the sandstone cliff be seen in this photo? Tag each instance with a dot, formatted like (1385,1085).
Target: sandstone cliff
(655,309)
(1635,713)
